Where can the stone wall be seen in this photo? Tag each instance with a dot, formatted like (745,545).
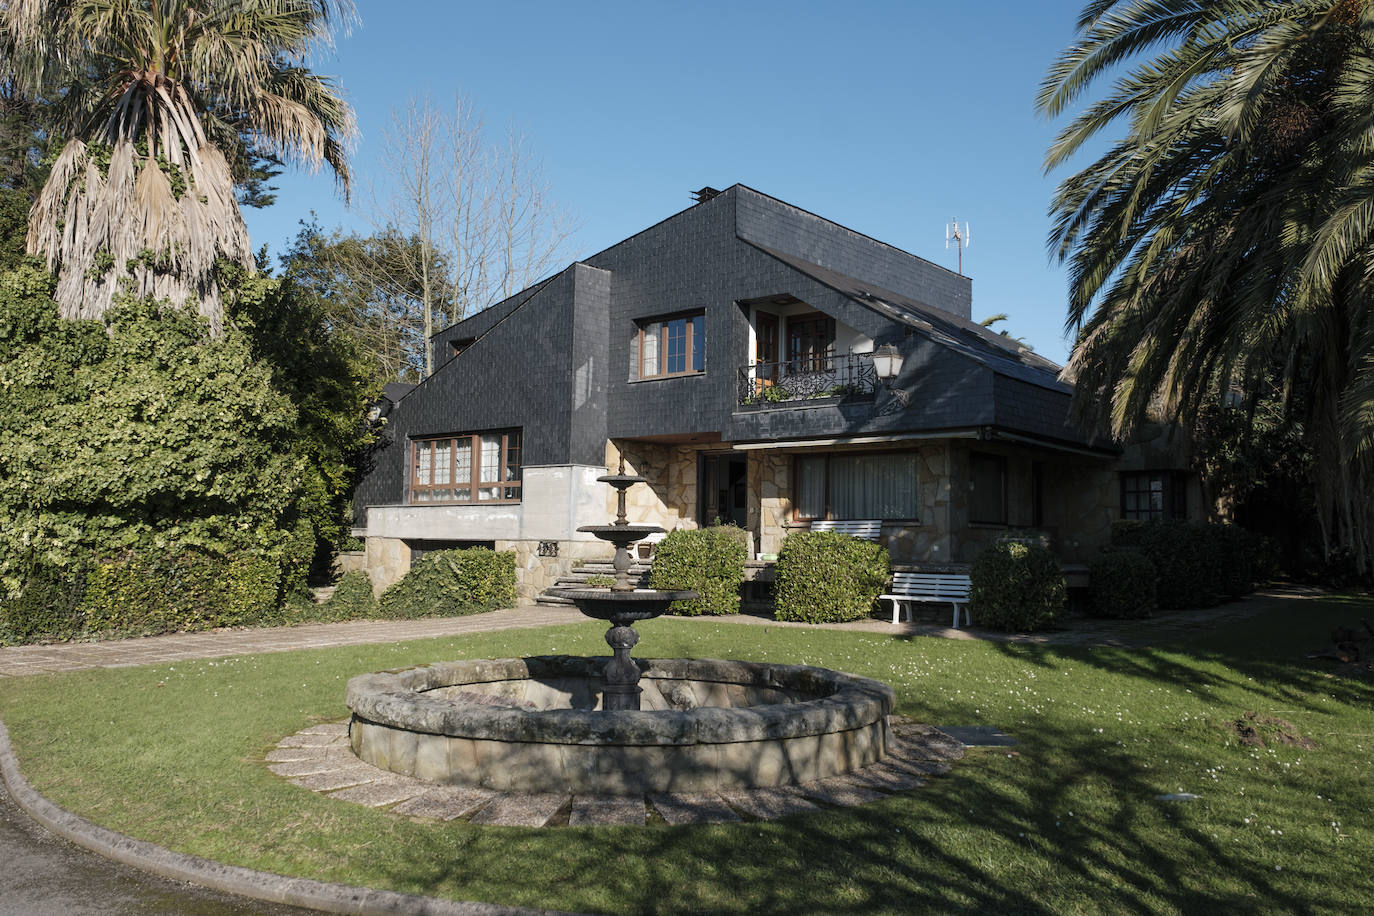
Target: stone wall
(770,498)
(533,573)
(388,560)
(669,498)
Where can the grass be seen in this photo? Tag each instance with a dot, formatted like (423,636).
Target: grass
(1066,822)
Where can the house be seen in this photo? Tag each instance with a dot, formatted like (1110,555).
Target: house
(727,355)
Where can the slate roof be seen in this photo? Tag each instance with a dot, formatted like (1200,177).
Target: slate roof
(1002,355)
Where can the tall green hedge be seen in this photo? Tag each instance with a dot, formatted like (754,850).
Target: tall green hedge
(141,594)
(148,593)
(450,583)
(47,606)
(1197,564)
(1121,584)
(1016,586)
(709,561)
(823,577)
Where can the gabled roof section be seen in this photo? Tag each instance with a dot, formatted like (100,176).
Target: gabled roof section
(1002,355)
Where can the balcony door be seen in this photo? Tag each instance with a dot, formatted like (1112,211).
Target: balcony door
(810,342)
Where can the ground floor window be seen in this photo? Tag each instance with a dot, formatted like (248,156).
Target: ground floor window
(466,468)
(987,501)
(857,486)
(1153,495)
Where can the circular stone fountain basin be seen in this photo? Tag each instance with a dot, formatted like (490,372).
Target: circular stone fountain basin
(532,725)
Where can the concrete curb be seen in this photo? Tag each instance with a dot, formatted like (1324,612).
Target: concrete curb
(245,882)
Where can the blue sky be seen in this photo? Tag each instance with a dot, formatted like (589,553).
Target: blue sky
(891,118)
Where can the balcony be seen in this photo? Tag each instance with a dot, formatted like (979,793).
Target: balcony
(812,378)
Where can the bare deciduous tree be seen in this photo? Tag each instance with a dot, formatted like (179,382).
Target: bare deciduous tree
(479,215)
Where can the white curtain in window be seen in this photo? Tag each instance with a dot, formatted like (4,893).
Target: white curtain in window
(462,468)
(491,467)
(873,486)
(650,364)
(811,486)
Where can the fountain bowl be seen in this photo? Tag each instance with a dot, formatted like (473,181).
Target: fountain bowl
(534,725)
(623,606)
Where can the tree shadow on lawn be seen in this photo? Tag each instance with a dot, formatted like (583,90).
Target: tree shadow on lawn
(991,838)
(1266,655)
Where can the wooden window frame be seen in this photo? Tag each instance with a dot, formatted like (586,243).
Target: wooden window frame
(797,516)
(815,360)
(661,322)
(511,440)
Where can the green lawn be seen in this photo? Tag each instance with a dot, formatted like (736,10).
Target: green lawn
(1067,823)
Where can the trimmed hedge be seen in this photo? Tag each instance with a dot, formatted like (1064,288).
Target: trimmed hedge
(47,608)
(1197,564)
(451,583)
(352,598)
(147,593)
(1121,584)
(708,561)
(824,577)
(1017,587)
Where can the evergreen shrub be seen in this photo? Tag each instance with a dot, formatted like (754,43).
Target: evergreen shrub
(147,593)
(708,561)
(46,608)
(1017,587)
(1121,584)
(1197,565)
(824,576)
(451,583)
(352,599)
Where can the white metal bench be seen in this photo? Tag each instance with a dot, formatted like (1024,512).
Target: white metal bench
(908,587)
(645,547)
(868,530)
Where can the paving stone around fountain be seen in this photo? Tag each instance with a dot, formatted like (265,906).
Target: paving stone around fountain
(321,759)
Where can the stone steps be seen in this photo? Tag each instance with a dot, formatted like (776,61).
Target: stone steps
(577,578)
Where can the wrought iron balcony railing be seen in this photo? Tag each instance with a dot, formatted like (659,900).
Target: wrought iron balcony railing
(809,378)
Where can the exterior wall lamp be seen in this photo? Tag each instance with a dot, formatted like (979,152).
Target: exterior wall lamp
(887,365)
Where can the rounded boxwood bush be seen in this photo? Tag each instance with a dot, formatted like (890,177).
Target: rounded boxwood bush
(451,583)
(709,561)
(352,598)
(1017,587)
(1121,584)
(825,577)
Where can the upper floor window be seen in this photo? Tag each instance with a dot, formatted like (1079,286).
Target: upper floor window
(467,468)
(1153,496)
(675,345)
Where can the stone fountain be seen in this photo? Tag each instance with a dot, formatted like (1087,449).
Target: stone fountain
(622,604)
(577,725)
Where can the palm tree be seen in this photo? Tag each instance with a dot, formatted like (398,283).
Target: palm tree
(1227,233)
(157,98)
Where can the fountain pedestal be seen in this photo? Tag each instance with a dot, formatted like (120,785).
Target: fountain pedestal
(622,604)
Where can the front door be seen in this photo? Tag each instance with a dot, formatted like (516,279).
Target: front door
(723,488)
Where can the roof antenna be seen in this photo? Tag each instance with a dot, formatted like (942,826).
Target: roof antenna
(960,239)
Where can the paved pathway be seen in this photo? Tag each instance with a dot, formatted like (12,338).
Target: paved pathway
(47,876)
(23,660)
